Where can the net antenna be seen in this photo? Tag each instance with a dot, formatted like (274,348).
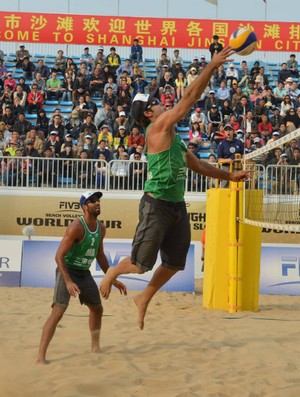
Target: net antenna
(272,195)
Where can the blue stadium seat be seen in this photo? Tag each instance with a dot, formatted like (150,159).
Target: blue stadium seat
(48,102)
(31,116)
(49,109)
(66,103)
(65,109)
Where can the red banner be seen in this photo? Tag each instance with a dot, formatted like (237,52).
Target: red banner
(151,32)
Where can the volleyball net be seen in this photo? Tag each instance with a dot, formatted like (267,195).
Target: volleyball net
(272,195)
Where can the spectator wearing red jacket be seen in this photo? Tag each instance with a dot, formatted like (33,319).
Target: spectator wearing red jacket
(135,139)
(35,99)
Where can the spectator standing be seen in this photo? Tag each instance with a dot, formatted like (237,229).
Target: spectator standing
(113,61)
(215,46)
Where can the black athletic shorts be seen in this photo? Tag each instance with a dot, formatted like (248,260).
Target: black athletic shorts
(163,226)
(89,293)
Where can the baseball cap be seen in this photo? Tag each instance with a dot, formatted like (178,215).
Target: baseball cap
(202,56)
(53,133)
(283,155)
(198,110)
(88,137)
(165,66)
(88,195)
(214,106)
(122,113)
(276,133)
(122,127)
(212,92)
(228,127)
(256,140)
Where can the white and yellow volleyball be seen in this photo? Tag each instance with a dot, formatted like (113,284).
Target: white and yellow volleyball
(243,41)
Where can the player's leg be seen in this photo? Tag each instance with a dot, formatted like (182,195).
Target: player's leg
(174,249)
(160,277)
(61,300)
(95,319)
(48,332)
(146,243)
(90,296)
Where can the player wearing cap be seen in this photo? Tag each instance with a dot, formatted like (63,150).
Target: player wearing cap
(163,224)
(81,244)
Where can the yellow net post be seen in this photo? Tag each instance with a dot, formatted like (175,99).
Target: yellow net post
(232,252)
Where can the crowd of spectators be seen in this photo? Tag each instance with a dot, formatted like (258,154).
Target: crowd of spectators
(238,111)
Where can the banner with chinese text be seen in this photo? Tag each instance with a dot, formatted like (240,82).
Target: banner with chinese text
(151,32)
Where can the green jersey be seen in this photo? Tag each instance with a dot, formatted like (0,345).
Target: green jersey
(82,254)
(167,172)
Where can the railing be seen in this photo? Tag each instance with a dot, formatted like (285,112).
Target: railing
(124,175)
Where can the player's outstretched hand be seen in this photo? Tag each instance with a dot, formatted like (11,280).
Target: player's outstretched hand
(223,56)
(240,176)
(121,287)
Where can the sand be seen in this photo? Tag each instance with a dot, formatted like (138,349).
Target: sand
(184,350)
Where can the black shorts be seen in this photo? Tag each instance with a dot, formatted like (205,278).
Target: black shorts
(89,293)
(163,226)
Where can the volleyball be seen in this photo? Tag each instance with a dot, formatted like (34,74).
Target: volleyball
(243,41)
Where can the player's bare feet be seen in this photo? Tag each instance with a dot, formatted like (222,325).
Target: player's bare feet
(106,283)
(142,309)
(42,361)
(96,350)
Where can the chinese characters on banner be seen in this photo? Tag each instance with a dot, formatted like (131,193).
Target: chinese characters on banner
(151,32)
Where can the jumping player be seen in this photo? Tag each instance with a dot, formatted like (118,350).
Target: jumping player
(163,222)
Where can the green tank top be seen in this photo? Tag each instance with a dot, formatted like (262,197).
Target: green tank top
(167,172)
(82,254)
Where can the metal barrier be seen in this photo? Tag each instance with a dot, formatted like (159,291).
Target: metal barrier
(124,175)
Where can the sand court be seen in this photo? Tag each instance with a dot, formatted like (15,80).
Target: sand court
(184,350)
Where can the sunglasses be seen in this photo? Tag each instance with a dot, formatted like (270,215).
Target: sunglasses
(93,201)
(154,102)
